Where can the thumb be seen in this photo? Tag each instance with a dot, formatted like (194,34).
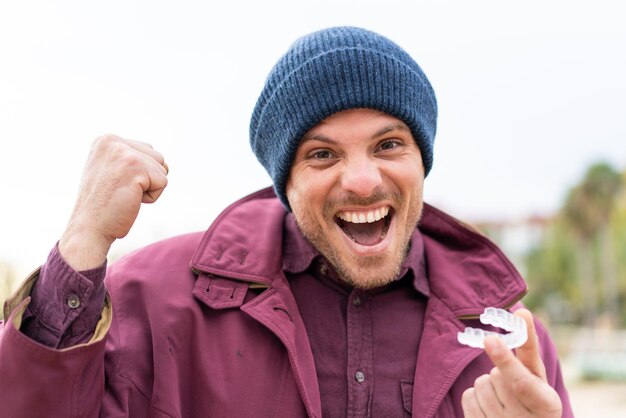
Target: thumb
(528,354)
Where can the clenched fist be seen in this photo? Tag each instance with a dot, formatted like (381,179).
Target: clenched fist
(120,174)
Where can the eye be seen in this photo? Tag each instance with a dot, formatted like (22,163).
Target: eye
(322,154)
(389,144)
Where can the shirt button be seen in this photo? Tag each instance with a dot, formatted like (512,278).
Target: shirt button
(356,301)
(73,301)
(323,270)
(359,376)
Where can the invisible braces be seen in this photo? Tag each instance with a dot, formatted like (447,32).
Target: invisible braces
(518,334)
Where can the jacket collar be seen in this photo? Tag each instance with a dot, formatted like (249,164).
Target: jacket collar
(466,271)
(242,242)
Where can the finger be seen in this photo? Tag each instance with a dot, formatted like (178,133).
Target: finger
(503,358)
(512,405)
(147,149)
(151,196)
(512,369)
(487,397)
(138,144)
(157,182)
(503,390)
(528,389)
(118,146)
(471,408)
(528,354)
(151,177)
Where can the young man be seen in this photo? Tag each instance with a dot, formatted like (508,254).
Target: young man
(338,293)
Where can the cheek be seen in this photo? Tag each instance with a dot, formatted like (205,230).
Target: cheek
(414,179)
(296,189)
(302,200)
(297,194)
(310,191)
(419,189)
(292,195)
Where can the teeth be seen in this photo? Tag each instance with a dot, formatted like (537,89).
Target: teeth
(364,217)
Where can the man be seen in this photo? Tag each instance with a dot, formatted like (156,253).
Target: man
(338,293)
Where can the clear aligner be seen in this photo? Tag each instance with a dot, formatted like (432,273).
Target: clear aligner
(517,336)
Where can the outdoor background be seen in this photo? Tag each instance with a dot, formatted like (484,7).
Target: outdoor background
(531,144)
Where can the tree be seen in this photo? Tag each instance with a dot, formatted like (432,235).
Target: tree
(587,213)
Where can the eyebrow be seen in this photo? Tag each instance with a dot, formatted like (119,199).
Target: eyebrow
(390,128)
(380,132)
(317,138)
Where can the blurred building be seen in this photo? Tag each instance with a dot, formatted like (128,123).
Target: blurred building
(516,237)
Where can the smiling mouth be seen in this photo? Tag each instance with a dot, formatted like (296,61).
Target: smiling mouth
(365,227)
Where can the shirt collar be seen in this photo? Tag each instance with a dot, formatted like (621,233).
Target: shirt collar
(299,254)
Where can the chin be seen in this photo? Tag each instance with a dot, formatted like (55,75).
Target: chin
(368,283)
(369,273)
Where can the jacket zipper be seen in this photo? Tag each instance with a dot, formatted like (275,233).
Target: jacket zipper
(507,306)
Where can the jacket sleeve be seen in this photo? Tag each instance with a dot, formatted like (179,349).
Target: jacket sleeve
(553,367)
(65,304)
(39,381)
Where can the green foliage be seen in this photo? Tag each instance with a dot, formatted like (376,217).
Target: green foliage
(577,274)
(550,269)
(589,205)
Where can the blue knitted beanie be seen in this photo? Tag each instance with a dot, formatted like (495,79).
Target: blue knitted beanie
(333,70)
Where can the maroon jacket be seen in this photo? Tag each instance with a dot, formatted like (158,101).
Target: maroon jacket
(238,347)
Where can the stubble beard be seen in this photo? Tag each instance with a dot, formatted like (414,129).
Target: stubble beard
(366,272)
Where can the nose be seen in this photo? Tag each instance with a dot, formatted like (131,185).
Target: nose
(361,176)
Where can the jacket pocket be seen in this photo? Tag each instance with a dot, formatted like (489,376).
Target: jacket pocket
(406,386)
(445,410)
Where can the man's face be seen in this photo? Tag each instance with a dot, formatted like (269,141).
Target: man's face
(355,189)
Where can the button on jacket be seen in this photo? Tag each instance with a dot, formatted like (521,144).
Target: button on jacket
(206,324)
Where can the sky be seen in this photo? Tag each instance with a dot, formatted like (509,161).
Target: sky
(530,94)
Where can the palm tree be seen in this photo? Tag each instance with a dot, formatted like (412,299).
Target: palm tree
(587,211)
